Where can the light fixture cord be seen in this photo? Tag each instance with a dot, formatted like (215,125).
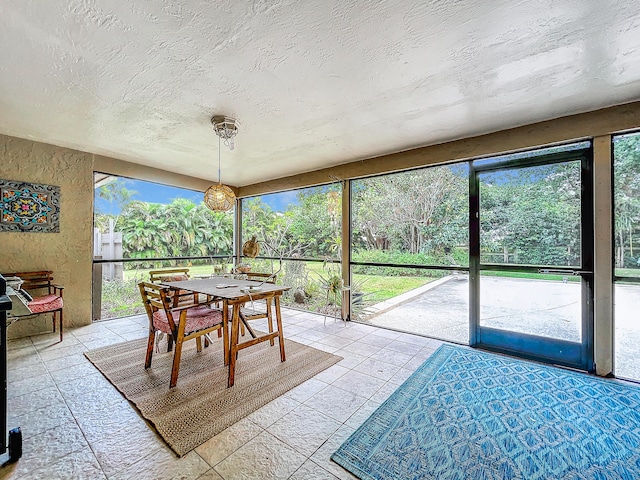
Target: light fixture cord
(219,159)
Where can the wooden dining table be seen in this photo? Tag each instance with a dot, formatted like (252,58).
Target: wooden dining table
(235,293)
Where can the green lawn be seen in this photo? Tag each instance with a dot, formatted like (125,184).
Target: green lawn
(628,272)
(377,288)
(383,288)
(380,287)
(534,276)
(123,298)
(143,273)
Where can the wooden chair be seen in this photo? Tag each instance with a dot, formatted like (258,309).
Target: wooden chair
(175,275)
(252,313)
(178,297)
(47,296)
(183,323)
(172,275)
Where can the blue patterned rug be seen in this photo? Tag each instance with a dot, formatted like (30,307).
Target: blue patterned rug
(467,414)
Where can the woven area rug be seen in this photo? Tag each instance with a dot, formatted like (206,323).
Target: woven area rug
(466,414)
(201,405)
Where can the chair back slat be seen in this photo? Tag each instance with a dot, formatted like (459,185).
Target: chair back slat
(173,275)
(157,298)
(268,277)
(168,274)
(34,280)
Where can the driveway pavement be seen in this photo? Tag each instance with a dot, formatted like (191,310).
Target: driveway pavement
(539,307)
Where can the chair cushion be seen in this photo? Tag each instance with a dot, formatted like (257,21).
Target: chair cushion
(174,278)
(45,303)
(198,318)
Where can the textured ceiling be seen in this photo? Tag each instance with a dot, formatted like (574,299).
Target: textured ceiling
(313,84)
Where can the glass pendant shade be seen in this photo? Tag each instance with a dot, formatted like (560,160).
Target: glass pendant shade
(219,198)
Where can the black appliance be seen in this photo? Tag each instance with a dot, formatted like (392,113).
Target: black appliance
(15,435)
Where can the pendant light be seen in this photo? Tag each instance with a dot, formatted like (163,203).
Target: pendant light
(219,197)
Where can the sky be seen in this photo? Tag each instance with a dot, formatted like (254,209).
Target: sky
(279,202)
(157,193)
(147,192)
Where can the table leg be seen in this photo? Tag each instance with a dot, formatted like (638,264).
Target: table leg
(233,351)
(177,350)
(279,323)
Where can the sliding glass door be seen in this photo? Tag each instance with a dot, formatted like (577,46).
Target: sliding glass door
(531,259)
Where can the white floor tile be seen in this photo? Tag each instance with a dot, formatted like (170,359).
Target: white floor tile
(76,425)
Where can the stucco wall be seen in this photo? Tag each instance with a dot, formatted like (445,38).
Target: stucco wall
(68,253)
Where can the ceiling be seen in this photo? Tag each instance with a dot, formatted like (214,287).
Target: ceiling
(312,84)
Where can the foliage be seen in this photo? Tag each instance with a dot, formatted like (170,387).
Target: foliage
(115,192)
(331,280)
(317,221)
(416,211)
(531,215)
(528,216)
(178,229)
(296,276)
(627,200)
(457,257)
(273,230)
(309,228)
(121,298)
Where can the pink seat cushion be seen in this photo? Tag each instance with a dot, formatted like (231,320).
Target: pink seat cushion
(198,318)
(45,303)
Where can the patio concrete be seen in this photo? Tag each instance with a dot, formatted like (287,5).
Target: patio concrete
(440,310)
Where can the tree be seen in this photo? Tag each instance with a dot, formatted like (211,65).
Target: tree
(419,211)
(272,229)
(113,192)
(626,152)
(316,221)
(531,215)
(370,229)
(181,228)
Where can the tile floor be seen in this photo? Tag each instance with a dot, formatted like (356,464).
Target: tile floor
(77,426)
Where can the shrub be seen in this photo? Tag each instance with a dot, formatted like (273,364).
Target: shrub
(395,257)
(121,298)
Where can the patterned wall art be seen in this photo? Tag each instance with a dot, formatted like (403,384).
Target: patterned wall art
(29,207)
